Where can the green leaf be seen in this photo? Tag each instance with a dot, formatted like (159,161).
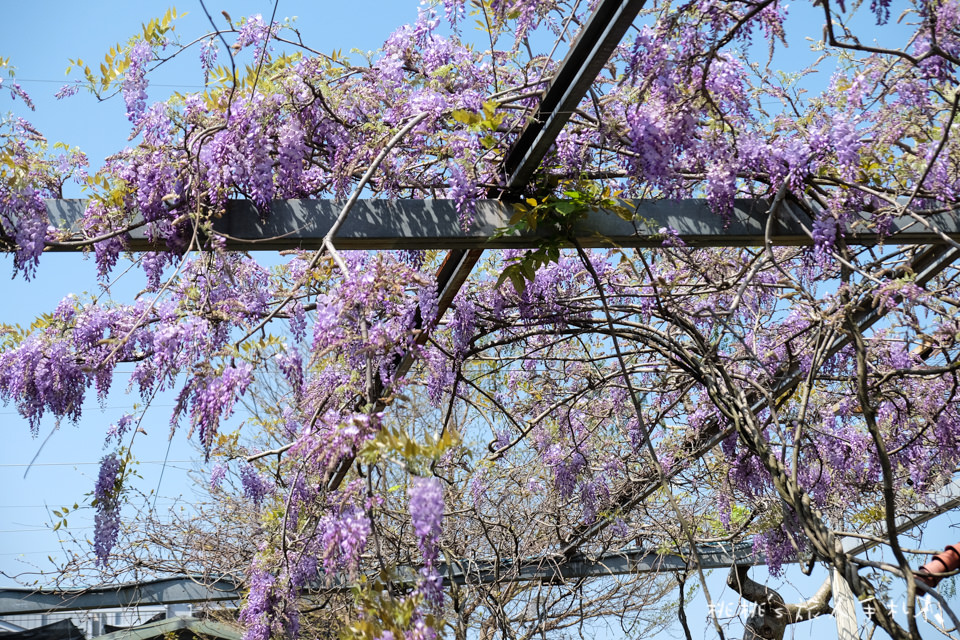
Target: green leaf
(528,270)
(509,273)
(519,212)
(519,283)
(466,117)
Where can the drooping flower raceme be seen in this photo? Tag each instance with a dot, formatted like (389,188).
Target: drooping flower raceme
(135,81)
(107,519)
(426,513)
(255,486)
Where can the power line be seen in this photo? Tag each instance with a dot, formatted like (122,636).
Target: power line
(74,464)
(152,84)
(44,506)
(42,529)
(97,407)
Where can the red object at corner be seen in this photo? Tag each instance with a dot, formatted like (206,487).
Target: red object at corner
(947,560)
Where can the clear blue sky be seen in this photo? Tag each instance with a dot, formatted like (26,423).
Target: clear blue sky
(39,38)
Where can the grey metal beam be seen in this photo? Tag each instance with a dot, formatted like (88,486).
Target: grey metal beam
(588,54)
(569,84)
(452,274)
(435,224)
(613,563)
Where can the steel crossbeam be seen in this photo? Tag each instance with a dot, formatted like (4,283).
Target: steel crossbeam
(587,55)
(435,224)
(18,601)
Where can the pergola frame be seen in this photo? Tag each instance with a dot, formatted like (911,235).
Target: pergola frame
(434,224)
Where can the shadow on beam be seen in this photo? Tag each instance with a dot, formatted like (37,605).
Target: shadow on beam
(435,224)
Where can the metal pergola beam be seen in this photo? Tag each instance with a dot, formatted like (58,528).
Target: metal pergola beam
(435,224)
(615,563)
(588,54)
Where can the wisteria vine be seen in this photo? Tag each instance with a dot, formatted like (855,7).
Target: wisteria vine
(764,377)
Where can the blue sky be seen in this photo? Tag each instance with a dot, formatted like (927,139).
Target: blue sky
(40,38)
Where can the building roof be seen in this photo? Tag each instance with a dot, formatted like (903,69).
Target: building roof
(182,626)
(60,630)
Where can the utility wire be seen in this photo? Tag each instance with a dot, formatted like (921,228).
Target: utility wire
(152,84)
(69,464)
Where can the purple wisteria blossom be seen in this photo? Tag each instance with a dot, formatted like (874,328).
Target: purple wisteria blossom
(208,55)
(135,80)
(217,475)
(342,538)
(211,398)
(258,612)
(255,486)
(426,513)
(106,526)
